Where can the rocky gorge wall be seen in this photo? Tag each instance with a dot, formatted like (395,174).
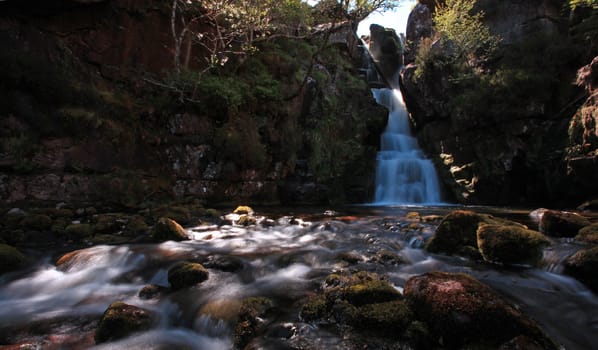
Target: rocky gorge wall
(502,137)
(87,118)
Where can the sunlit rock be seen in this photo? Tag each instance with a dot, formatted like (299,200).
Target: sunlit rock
(510,244)
(121,320)
(457,233)
(168,230)
(583,265)
(562,223)
(186,274)
(464,313)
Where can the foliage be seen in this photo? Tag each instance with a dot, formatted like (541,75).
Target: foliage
(456,21)
(589,3)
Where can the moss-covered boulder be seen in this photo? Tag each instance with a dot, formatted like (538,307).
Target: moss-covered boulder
(251,320)
(177,213)
(11,259)
(187,274)
(78,232)
(243,209)
(588,234)
(562,224)
(168,230)
(37,222)
(465,313)
(152,291)
(107,223)
(390,318)
(457,233)
(136,225)
(510,244)
(246,220)
(583,265)
(121,320)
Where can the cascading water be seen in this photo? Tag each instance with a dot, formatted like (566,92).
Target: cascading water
(403,174)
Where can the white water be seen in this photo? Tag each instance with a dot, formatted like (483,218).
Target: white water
(403,174)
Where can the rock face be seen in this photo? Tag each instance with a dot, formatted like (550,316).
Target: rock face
(465,312)
(508,144)
(386,50)
(89,116)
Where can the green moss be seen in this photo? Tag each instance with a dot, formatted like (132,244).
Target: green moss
(186,274)
(120,320)
(390,318)
(168,230)
(135,226)
(249,325)
(314,309)
(10,259)
(510,244)
(78,232)
(583,266)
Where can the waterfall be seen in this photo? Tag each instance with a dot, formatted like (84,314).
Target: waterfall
(403,174)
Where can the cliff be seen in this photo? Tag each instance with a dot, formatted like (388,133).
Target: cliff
(498,127)
(93,113)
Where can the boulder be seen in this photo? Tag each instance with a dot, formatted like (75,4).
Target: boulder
(186,274)
(11,259)
(562,223)
(121,320)
(465,313)
(583,265)
(510,244)
(152,291)
(389,318)
(168,230)
(457,233)
(77,232)
(243,209)
(588,234)
(251,320)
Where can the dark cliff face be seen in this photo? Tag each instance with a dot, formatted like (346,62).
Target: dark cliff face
(499,135)
(90,113)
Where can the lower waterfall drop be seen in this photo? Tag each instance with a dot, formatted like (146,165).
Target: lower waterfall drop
(403,174)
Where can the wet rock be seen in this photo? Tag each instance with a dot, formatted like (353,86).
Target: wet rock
(457,233)
(186,274)
(583,265)
(251,320)
(386,257)
(224,263)
(510,244)
(315,308)
(521,343)
(152,291)
(225,309)
(390,318)
(168,230)
(246,220)
(121,320)
(350,257)
(588,234)
(562,223)
(11,259)
(463,312)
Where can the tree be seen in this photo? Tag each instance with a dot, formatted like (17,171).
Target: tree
(456,21)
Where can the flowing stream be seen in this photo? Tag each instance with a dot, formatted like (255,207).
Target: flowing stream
(403,174)
(58,308)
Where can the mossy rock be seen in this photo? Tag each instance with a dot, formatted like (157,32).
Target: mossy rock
(152,291)
(11,259)
(186,274)
(246,220)
(243,209)
(349,257)
(588,234)
(109,239)
(562,223)
(177,213)
(386,257)
(250,323)
(462,312)
(59,225)
(213,213)
(136,225)
(107,223)
(37,222)
(78,232)
(391,318)
(360,288)
(583,265)
(168,230)
(315,308)
(120,320)
(510,244)
(457,233)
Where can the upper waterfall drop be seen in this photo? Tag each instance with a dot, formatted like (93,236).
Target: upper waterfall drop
(403,174)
